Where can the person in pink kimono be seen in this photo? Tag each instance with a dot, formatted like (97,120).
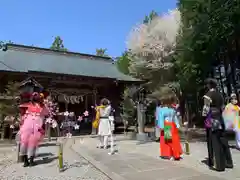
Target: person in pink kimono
(31,130)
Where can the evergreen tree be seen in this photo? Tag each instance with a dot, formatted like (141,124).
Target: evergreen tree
(101,52)
(58,44)
(150,17)
(123,63)
(207,40)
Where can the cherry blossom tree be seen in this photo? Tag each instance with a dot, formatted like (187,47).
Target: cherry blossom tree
(152,43)
(51,121)
(151,46)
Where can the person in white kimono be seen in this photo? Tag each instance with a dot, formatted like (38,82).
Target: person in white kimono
(105,123)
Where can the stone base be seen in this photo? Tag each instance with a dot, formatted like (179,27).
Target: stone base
(142,137)
(131,135)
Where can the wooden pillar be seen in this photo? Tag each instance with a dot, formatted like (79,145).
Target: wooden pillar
(86,102)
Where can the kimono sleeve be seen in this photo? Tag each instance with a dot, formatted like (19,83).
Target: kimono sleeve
(156,116)
(22,118)
(160,118)
(206,106)
(156,112)
(225,110)
(45,111)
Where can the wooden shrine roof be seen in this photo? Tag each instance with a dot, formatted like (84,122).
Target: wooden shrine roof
(20,58)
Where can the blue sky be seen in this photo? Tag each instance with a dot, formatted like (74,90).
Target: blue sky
(84,25)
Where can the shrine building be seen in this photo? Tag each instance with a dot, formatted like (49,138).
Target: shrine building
(76,81)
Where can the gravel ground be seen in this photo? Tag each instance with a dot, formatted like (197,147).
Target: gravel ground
(47,166)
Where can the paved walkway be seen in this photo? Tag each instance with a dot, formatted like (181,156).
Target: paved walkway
(76,168)
(140,162)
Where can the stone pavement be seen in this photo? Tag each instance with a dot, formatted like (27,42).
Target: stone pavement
(140,161)
(47,165)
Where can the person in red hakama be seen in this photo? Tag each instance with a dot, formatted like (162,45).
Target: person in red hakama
(170,146)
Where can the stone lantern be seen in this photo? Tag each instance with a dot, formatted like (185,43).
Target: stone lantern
(139,96)
(141,115)
(27,87)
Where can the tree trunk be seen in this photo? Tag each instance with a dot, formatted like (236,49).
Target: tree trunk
(228,80)
(2,133)
(221,79)
(125,122)
(2,126)
(187,114)
(10,133)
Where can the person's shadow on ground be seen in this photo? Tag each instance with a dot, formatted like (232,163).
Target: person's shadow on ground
(75,165)
(43,155)
(234,147)
(205,161)
(44,158)
(47,144)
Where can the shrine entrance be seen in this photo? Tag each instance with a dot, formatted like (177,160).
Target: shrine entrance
(79,105)
(74,97)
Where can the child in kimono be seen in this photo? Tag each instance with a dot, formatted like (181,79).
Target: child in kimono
(170,147)
(231,118)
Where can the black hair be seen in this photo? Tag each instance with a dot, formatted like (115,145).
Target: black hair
(105,101)
(158,102)
(35,98)
(212,83)
(168,99)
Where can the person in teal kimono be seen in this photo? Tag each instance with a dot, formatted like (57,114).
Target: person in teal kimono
(170,147)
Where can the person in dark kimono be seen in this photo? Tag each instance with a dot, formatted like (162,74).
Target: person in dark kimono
(219,155)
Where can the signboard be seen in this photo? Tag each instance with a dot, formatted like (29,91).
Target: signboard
(69,99)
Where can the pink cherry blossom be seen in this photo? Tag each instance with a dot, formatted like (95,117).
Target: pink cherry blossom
(80,118)
(66,113)
(86,113)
